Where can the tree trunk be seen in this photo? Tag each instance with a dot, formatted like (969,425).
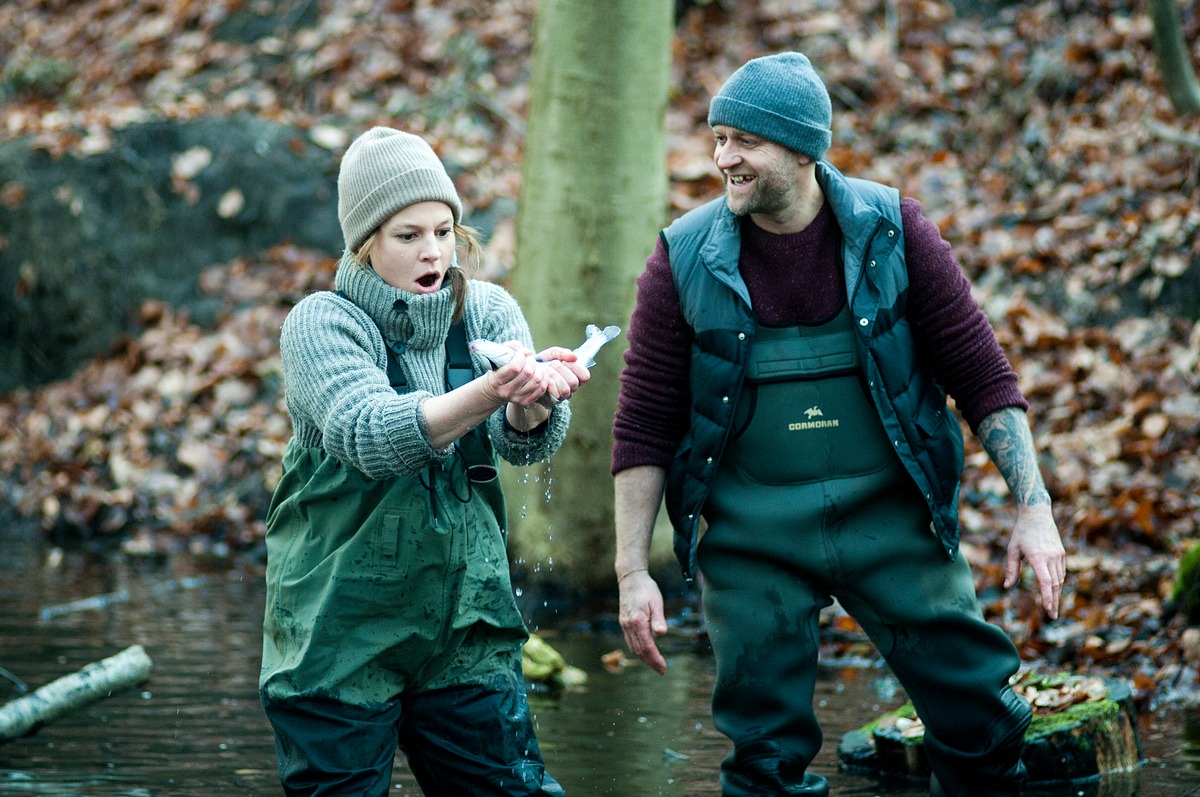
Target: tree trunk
(94,682)
(1094,734)
(1174,60)
(593,197)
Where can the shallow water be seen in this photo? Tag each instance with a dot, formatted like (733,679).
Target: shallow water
(196,727)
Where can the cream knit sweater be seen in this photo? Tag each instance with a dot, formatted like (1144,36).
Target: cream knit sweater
(335,379)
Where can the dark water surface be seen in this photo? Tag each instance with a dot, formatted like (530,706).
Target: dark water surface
(196,727)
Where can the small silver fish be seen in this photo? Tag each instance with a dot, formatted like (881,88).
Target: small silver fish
(495,353)
(595,337)
(498,354)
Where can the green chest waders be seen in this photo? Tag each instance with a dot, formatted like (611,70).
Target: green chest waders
(810,503)
(391,622)
(381,586)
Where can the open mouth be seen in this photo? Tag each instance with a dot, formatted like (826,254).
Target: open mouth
(740,179)
(429,280)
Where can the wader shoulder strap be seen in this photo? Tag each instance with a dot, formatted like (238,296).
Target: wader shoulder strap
(459,369)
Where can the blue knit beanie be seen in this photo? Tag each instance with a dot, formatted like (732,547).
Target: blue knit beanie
(779,97)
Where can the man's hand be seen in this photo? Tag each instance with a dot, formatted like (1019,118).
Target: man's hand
(1006,438)
(638,492)
(642,617)
(1035,539)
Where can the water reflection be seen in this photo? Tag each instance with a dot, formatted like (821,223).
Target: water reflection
(196,727)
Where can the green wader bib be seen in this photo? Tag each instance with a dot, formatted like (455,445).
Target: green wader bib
(809,503)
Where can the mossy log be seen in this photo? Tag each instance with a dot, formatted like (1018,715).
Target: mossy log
(97,680)
(1083,728)
(1185,592)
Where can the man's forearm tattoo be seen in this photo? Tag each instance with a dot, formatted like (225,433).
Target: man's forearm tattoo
(1006,438)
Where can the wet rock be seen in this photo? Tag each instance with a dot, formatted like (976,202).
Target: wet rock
(542,664)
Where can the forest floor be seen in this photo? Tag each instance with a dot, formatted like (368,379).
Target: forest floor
(1040,140)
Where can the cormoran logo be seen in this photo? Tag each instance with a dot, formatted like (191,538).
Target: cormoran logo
(811,413)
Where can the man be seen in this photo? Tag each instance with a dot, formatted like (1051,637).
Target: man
(790,356)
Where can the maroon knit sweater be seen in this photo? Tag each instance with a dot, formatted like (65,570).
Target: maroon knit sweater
(797,278)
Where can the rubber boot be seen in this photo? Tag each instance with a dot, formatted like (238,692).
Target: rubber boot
(1000,772)
(762,769)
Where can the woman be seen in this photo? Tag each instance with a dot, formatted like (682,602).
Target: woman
(390,617)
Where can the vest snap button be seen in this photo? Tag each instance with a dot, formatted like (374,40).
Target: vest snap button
(724,399)
(741,336)
(872,264)
(710,460)
(862,322)
(891,233)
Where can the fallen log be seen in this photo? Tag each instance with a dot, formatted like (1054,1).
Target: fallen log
(96,681)
(1083,728)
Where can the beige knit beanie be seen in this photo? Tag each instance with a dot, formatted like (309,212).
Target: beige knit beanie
(383,171)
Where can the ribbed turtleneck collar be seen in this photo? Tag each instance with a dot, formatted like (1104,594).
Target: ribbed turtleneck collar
(419,321)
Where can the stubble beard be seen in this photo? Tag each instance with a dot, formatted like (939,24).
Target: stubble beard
(764,199)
